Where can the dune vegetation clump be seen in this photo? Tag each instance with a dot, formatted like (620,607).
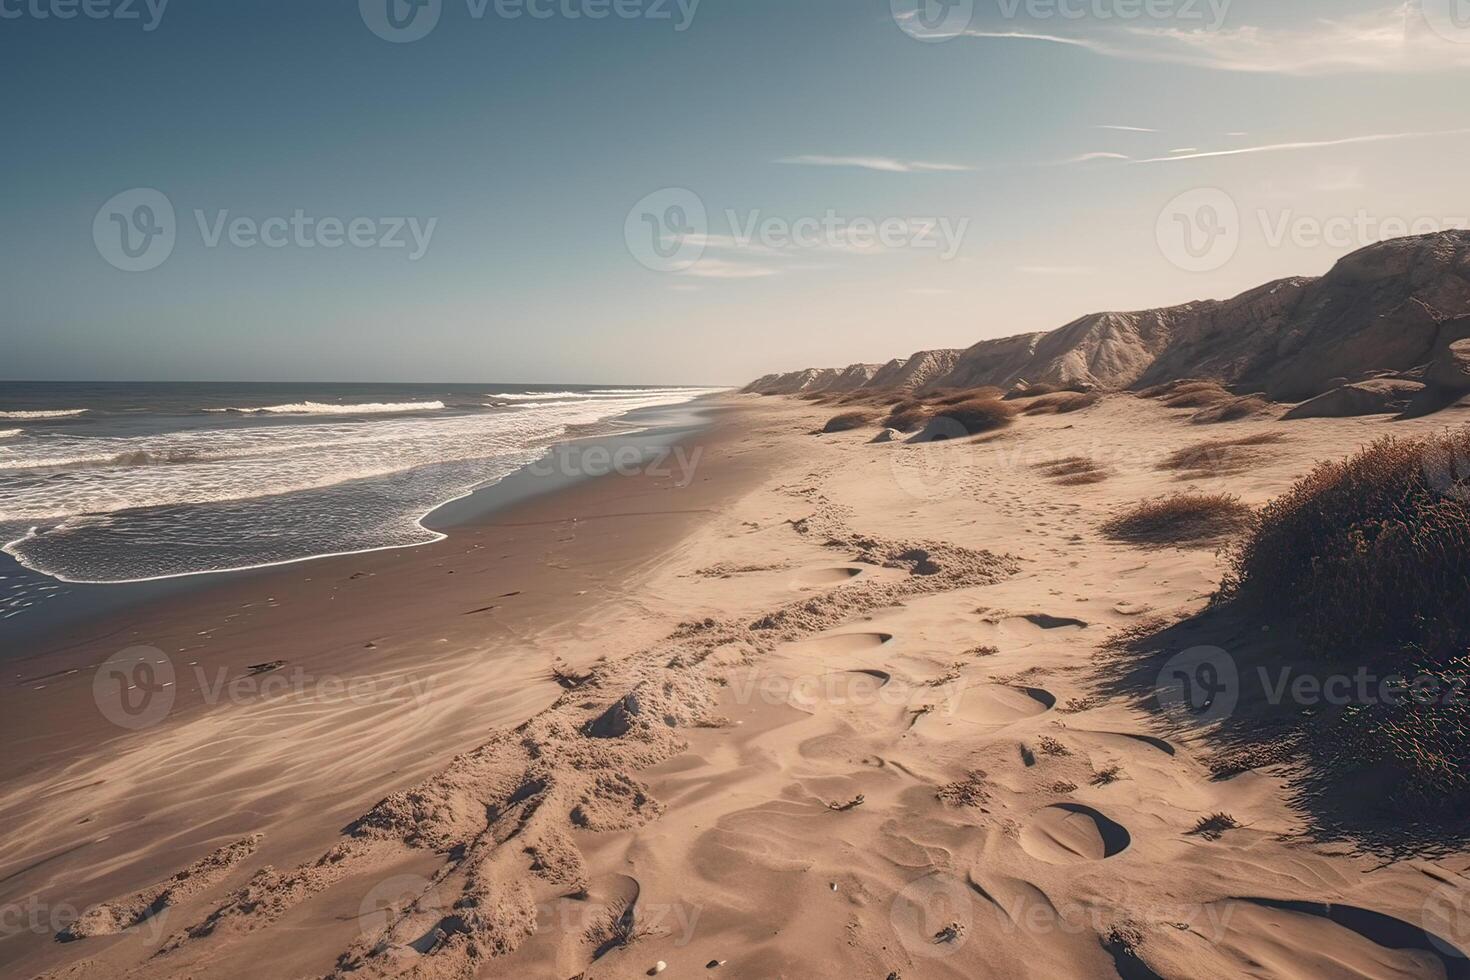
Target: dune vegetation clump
(969,418)
(1199,394)
(947,398)
(848,421)
(1371,551)
(1181,519)
(1367,561)
(1220,457)
(1060,403)
(1234,410)
(907,417)
(1074,471)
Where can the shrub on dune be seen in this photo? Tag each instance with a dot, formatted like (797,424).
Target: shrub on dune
(971,394)
(1368,561)
(848,421)
(907,418)
(1031,391)
(1074,471)
(969,418)
(1204,394)
(1182,519)
(1060,403)
(1232,411)
(1220,457)
(1371,551)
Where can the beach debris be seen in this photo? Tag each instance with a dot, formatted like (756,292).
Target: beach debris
(265,668)
(949,933)
(1214,826)
(568,679)
(714,964)
(658,968)
(851,804)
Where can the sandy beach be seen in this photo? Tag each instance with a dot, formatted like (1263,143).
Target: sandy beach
(832,709)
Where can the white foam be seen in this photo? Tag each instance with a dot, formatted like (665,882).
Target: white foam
(48,414)
(323,408)
(533,395)
(65,475)
(10,433)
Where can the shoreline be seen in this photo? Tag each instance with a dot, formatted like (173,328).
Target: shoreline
(650,428)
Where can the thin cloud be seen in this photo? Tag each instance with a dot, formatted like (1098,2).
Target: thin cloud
(1127,129)
(884,164)
(710,268)
(1391,39)
(1096,155)
(1307,145)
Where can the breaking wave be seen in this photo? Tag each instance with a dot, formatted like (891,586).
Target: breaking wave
(61,413)
(322,408)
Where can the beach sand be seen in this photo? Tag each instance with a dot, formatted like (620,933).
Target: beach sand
(833,709)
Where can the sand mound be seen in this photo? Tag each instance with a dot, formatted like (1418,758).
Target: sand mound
(125,913)
(822,578)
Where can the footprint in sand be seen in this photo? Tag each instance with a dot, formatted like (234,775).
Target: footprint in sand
(1127,739)
(837,643)
(824,578)
(1070,833)
(991,704)
(1302,938)
(846,688)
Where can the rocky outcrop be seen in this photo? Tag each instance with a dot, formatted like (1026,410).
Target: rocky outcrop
(1389,309)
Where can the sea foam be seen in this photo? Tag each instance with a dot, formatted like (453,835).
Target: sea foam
(45,414)
(323,408)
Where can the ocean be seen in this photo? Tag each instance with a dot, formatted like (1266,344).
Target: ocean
(114,483)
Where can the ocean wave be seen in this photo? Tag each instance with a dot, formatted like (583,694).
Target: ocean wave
(45,414)
(10,433)
(524,396)
(67,475)
(322,408)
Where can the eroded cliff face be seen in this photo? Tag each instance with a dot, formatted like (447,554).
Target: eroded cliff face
(1387,309)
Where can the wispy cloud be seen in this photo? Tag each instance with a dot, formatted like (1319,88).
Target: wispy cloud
(1095,155)
(1127,129)
(885,164)
(1306,145)
(713,268)
(1395,38)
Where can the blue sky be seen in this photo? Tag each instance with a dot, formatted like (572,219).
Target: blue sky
(1029,160)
